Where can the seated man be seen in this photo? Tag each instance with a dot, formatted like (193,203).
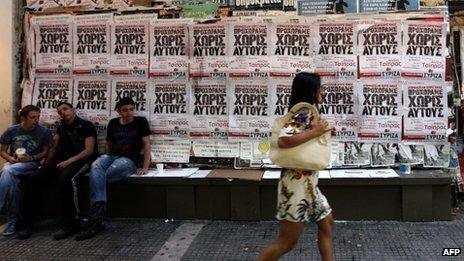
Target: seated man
(73,151)
(23,146)
(126,137)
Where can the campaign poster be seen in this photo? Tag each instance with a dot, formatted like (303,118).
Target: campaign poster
(208,50)
(209,110)
(91,99)
(383,154)
(130,45)
(53,45)
(335,46)
(249,111)
(426,117)
(339,107)
(290,50)
(249,50)
(169,114)
(357,154)
(366,6)
(280,92)
(91,44)
(169,43)
(379,112)
(132,88)
(424,50)
(47,94)
(379,49)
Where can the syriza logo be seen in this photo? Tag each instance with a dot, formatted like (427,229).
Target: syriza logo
(451,251)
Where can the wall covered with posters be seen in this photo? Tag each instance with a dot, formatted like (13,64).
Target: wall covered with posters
(213,90)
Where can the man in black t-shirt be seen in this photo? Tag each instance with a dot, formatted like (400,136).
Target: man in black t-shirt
(126,137)
(73,151)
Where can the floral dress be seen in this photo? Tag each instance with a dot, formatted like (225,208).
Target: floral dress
(298,198)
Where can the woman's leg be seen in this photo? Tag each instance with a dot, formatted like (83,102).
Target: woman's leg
(289,233)
(325,238)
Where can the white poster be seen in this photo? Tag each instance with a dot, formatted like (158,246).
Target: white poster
(47,94)
(209,111)
(379,49)
(425,118)
(208,50)
(132,88)
(171,151)
(249,49)
(335,50)
(91,99)
(249,111)
(169,44)
(169,114)
(53,45)
(92,44)
(379,111)
(410,153)
(339,107)
(280,92)
(130,44)
(424,50)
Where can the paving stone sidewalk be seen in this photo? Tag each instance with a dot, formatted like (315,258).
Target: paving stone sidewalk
(141,239)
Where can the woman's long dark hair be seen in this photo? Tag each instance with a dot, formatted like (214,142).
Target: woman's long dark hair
(304,88)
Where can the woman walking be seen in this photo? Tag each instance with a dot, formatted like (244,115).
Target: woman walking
(299,199)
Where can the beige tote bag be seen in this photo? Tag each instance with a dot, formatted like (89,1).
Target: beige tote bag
(311,155)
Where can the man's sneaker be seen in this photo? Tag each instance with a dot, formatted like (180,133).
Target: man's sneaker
(24,232)
(10,229)
(65,232)
(90,231)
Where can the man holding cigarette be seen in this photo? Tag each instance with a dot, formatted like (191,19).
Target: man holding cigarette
(73,151)
(23,146)
(127,136)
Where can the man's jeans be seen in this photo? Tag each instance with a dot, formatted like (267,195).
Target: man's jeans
(9,185)
(107,169)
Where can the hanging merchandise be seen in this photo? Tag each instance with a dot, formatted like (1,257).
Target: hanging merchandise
(53,45)
(91,42)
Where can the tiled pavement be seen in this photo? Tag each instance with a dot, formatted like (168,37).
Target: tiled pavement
(141,239)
